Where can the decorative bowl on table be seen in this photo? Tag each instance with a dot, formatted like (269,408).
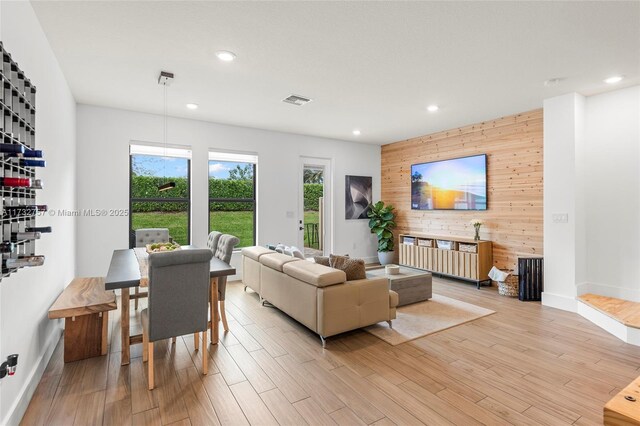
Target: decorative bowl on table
(162,247)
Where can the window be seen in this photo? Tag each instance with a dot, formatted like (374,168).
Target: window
(232,195)
(150,167)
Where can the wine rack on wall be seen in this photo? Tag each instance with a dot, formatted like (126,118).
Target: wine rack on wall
(19,160)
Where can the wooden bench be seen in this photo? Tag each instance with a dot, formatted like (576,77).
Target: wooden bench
(624,408)
(85,306)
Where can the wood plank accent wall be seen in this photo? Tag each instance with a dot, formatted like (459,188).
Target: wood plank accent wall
(513,220)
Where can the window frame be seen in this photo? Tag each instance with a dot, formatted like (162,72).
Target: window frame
(253,200)
(132,200)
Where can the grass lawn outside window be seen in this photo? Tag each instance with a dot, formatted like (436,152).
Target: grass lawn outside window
(239,224)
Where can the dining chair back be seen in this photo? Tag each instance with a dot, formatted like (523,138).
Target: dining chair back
(224,250)
(144,236)
(178,293)
(212,241)
(226,244)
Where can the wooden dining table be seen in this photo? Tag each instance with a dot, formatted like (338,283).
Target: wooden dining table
(129,269)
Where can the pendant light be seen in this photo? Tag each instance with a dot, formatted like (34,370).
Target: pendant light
(165,78)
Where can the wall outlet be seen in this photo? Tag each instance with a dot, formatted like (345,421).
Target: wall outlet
(354,246)
(560,217)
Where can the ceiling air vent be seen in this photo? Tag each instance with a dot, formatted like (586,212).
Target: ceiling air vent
(296,100)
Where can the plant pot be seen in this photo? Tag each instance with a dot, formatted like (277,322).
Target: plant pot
(386,257)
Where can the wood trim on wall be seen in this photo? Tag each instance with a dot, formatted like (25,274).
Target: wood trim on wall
(514,218)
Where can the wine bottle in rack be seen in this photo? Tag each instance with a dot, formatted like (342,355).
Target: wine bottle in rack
(21,261)
(28,153)
(28,210)
(21,236)
(33,153)
(12,148)
(41,229)
(6,247)
(15,182)
(32,163)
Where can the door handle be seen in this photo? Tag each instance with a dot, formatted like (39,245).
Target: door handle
(300,228)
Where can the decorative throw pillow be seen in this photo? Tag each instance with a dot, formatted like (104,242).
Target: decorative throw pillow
(322,260)
(296,252)
(354,268)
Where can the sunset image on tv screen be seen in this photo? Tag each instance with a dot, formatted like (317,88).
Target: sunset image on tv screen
(457,184)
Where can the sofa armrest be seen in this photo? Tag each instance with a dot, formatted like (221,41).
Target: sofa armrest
(394,299)
(352,305)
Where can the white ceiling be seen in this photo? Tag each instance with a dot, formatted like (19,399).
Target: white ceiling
(374,66)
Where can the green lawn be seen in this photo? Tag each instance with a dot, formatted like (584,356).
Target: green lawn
(239,224)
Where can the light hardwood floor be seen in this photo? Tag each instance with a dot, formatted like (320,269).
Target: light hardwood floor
(526,364)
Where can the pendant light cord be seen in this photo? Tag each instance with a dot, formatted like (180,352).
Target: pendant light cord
(165,131)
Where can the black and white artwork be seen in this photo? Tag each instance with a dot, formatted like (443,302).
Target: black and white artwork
(358,196)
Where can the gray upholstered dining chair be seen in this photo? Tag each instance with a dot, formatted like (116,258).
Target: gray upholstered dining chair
(223,251)
(178,301)
(212,241)
(146,236)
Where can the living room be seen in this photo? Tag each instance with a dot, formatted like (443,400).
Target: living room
(545,95)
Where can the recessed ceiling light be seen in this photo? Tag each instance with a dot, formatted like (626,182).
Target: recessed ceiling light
(356,132)
(433,108)
(613,80)
(225,55)
(192,106)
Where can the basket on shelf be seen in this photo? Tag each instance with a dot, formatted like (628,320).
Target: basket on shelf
(425,243)
(509,287)
(468,248)
(444,244)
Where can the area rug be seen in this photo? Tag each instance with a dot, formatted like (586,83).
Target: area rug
(424,318)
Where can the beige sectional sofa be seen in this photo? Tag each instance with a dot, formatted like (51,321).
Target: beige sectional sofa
(315,295)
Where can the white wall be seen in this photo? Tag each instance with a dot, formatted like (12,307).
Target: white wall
(562,136)
(592,173)
(104,135)
(612,187)
(25,297)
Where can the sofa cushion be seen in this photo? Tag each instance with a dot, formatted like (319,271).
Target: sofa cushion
(354,268)
(322,260)
(277,260)
(315,274)
(255,252)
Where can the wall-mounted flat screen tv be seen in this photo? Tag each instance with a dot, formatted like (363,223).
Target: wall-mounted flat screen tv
(456,184)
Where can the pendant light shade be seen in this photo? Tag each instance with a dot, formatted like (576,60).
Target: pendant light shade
(165,78)
(166,186)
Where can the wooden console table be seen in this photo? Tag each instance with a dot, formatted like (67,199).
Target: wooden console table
(421,251)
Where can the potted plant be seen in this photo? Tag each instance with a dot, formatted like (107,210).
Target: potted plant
(381,223)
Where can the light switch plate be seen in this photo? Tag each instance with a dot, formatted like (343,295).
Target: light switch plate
(560,217)
(290,215)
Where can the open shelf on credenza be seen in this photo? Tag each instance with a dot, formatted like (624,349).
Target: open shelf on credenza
(466,259)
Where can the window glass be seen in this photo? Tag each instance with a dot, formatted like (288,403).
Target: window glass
(232,199)
(152,208)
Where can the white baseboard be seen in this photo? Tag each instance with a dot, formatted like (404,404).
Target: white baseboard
(626,334)
(633,336)
(370,259)
(609,291)
(21,402)
(603,321)
(559,301)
